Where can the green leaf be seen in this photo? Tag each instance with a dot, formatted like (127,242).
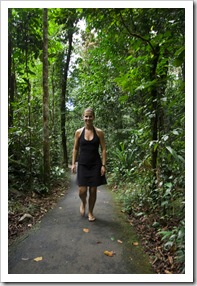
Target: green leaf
(155,224)
(164,203)
(175,132)
(169,185)
(180,51)
(123,98)
(175,155)
(139,214)
(165,137)
(177,62)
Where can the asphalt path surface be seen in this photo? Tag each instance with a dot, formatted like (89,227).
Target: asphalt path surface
(65,247)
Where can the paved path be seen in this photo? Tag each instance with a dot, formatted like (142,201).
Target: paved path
(66,249)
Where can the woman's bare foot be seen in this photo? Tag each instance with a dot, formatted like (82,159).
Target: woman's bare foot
(82,209)
(91,217)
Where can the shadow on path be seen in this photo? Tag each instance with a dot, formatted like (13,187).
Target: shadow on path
(66,249)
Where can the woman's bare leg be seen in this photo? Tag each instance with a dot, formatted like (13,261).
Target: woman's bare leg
(82,195)
(92,201)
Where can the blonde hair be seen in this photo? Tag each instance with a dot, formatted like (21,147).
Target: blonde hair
(90,109)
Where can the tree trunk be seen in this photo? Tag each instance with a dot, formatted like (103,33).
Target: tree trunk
(29,102)
(11,77)
(46,147)
(63,98)
(154,121)
(53,100)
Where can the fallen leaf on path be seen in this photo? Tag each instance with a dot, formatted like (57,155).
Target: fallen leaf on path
(38,258)
(119,241)
(135,243)
(25,259)
(86,230)
(109,253)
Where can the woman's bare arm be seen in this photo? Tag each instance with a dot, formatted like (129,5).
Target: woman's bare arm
(75,150)
(103,150)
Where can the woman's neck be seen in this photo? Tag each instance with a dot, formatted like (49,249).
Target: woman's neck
(89,127)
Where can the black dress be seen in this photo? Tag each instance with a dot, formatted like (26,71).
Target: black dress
(89,162)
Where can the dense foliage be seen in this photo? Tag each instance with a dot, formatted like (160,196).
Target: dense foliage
(129,65)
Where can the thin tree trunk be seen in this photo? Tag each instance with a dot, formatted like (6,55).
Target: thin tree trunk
(154,121)
(53,100)
(46,147)
(29,102)
(63,99)
(11,77)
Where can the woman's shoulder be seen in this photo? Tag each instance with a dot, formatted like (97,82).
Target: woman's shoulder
(98,131)
(79,131)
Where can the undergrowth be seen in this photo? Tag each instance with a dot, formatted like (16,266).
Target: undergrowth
(159,218)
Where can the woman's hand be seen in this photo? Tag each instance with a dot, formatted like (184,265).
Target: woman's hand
(73,168)
(103,170)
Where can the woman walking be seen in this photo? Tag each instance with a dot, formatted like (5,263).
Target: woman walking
(91,166)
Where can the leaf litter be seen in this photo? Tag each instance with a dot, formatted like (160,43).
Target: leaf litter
(163,260)
(33,203)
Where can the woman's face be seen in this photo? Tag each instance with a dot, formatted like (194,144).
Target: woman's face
(88,117)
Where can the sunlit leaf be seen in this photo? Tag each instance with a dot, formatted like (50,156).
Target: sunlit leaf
(39,258)
(135,243)
(139,214)
(86,230)
(175,132)
(119,241)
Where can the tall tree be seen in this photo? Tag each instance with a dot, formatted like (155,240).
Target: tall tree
(67,19)
(46,143)
(10,71)
(64,89)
